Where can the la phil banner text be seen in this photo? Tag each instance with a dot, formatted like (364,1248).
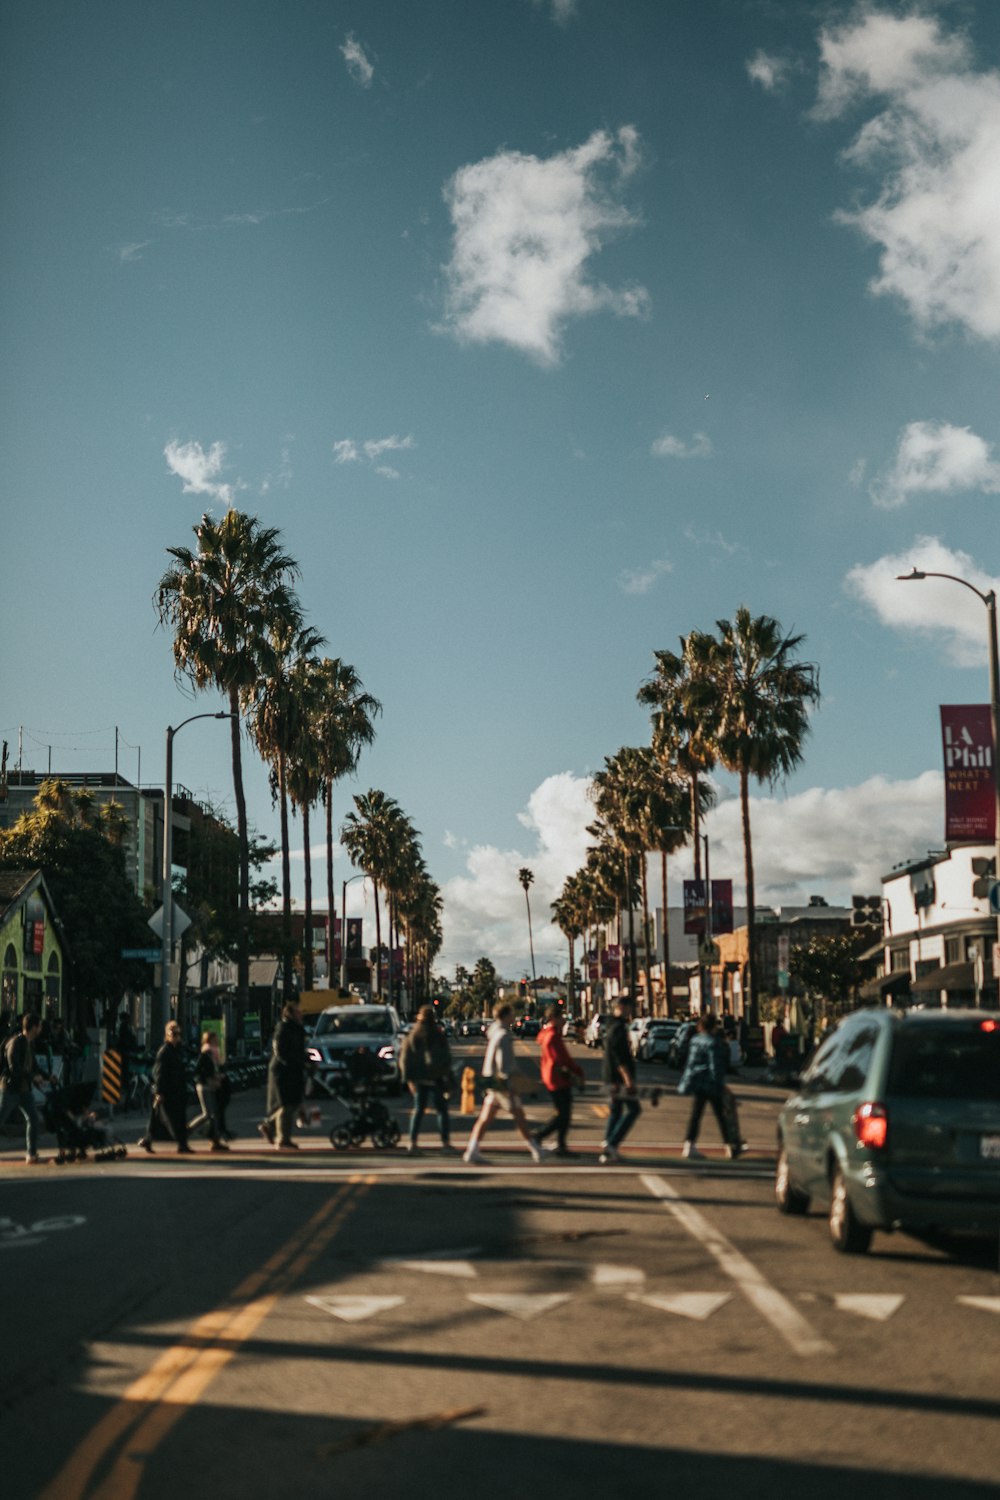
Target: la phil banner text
(969,795)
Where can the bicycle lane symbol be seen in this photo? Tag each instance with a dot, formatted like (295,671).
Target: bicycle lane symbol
(14,1236)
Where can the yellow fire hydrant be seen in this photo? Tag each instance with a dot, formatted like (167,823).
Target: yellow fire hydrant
(468,1081)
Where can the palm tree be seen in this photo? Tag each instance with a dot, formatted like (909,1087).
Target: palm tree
(227,601)
(527,879)
(569,915)
(343,727)
(367,837)
(682,728)
(280,724)
(757,697)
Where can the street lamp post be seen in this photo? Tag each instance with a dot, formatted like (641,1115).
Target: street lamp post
(166,889)
(990,600)
(343,927)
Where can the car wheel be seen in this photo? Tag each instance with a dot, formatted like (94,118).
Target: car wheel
(848,1234)
(790,1200)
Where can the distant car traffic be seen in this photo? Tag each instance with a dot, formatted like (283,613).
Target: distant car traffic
(526,1026)
(896,1124)
(594,1035)
(473,1026)
(658,1040)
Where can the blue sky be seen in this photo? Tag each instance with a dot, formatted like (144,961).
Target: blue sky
(545,332)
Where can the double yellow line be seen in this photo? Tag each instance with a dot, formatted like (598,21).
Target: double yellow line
(155,1403)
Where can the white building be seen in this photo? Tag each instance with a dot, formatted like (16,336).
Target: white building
(938,935)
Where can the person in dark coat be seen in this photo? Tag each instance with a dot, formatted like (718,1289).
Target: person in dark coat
(286,1078)
(618,1074)
(426,1068)
(169,1092)
(704,1078)
(207,1078)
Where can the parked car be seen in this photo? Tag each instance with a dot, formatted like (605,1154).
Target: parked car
(526,1026)
(895,1124)
(472,1027)
(637,1029)
(656,1043)
(343,1029)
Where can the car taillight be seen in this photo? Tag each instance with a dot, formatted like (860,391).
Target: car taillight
(871,1125)
(988,1025)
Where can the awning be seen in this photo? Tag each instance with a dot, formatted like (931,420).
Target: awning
(885,984)
(948,977)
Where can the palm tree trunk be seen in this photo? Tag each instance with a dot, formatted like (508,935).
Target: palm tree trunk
(243,925)
(531,946)
(644,882)
(668,988)
(696,825)
(286,884)
(331,906)
(307,956)
(571,980)
(754,1004)
(377,975)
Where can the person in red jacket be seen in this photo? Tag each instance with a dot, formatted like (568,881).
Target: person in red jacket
(558,1073)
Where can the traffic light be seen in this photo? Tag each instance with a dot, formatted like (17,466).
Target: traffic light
(866,911)
(985,871)
(523,989)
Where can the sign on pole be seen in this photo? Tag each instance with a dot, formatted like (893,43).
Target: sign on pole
(179,922)
(969,788)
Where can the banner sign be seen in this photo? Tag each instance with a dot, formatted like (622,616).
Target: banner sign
(695,909)
(354,948)
(611,962)
(969,791)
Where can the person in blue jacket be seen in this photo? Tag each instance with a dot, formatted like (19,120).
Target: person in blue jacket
(704,1078)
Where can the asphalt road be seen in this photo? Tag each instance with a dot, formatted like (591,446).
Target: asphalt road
(369,1324)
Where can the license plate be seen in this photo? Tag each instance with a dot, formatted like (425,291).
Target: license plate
(989,1147)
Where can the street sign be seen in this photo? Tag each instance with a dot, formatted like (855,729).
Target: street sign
(150,955)
(179,921)
(995,898)
(709,952)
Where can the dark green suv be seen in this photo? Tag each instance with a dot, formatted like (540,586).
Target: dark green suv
(896,1125)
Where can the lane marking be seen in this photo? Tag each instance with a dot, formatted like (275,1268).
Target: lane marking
(985,1304)
(355,1309)
(523,1305)
(697,1305)
(617,1276)
(461,1268)
(784,1318)
(868,1305)
(155,1402)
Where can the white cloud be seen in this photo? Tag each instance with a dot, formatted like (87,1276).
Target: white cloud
(769,71)
(937,142)
(562,11)
(934,607)
(936,458)
(199,470)
(716,540)
(347,451)
(131,252)
(641,580)
(856,477)
(359,65)
(484,909)
(669,446)
(823,841)
(829,842)
(525,229)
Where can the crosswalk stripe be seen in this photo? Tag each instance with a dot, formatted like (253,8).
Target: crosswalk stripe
(985,1304)
(354,1309)
(523,1305)
(868,1305)
(699,1305)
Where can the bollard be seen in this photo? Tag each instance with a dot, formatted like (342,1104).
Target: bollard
(468,1105)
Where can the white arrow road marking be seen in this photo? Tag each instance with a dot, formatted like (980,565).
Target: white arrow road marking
(769,1302)
(617,1276)
(524,1305)
(700,1305)
(987,1304)
(354,1309)
(462,1268)
(868,1305)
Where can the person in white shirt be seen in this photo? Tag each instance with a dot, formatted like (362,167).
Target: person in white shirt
(500,1073)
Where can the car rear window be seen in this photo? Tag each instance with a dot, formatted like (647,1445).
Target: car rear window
(946,1062)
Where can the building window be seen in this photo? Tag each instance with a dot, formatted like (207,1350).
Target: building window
(899,959)
(52,985)
(953,950)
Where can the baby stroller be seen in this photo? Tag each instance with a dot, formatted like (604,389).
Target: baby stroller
(76,1127)
(367,1116)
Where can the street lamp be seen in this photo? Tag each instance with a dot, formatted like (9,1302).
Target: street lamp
(167,892)
(990,600)
(343,927)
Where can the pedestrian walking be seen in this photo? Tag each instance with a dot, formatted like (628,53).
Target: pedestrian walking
(207,1080)
(558,1072)
(169,1106)
(286,1078)
(18,1075)
(618,1073)
(501,1075)
(704,1078)
(426,1068)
